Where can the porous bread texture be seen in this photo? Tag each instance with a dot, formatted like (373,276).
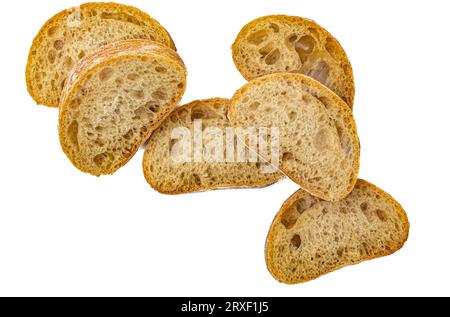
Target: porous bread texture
(114,99)
(319,146)
(281,43)
(77,32)
(310,237)
(170,176)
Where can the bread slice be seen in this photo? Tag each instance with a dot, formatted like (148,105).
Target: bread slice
(310,237)
(281,43)
(79,31)
(114,98)
(318,142)
(169,175)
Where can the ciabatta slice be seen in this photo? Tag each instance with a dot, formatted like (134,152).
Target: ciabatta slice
(114,99)
(318,141)
(310,237)
(166,173)
(281,43)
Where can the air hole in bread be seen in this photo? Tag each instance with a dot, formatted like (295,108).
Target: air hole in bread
(106,74)
(254,105)
(381,214)
(364,206)
(292,116)
(58,44)
(303,204)
(197,180)
(128,135)
(159,94)
(289,218)
(287,156)
(118,82)
(265,50)
(292,38)
(322,140)
(304,46)
(258,37)
(320,72)
(275,28)
(340,252)
(51,56)
(160,69)
(152,106)
(81,54)
(296,241)
(133,76)
(272,57)
(72,133)
(68,62)
(138,94)
(202,113)
(100,159)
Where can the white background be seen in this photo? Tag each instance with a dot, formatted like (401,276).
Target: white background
(63,232)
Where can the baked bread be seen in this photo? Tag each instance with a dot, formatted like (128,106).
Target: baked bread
(310,237)
(114,98)
(170,175)
(79,31)
(318,142)
(281,43)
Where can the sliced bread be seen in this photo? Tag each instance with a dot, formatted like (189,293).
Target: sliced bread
(167,174)
(114,98)
(318,142)
(79,31)
(310,237)
(281,43)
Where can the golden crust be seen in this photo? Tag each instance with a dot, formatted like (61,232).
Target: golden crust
(269,246)
(296,21)
(196,188)
(336,100)
(63,15)
(109,55)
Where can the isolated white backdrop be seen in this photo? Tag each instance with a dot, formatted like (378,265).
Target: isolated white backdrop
(63,232)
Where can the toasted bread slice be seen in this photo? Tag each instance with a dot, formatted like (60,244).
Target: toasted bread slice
(318,142)
(310,237)
(79,31)
(281,43)
(167,174)
(114,99)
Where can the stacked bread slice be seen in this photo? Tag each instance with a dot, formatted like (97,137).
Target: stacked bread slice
(115,75)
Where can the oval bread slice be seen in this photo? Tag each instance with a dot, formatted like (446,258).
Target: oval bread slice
(114,99)
(281,43)
(169,175)
(310,237)
(79,31)
(318,142)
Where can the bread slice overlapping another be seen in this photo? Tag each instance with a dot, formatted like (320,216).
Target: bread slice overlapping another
(167,173)
(281,43)
(77,32)
(318,141)
(114,99)
(310,237)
